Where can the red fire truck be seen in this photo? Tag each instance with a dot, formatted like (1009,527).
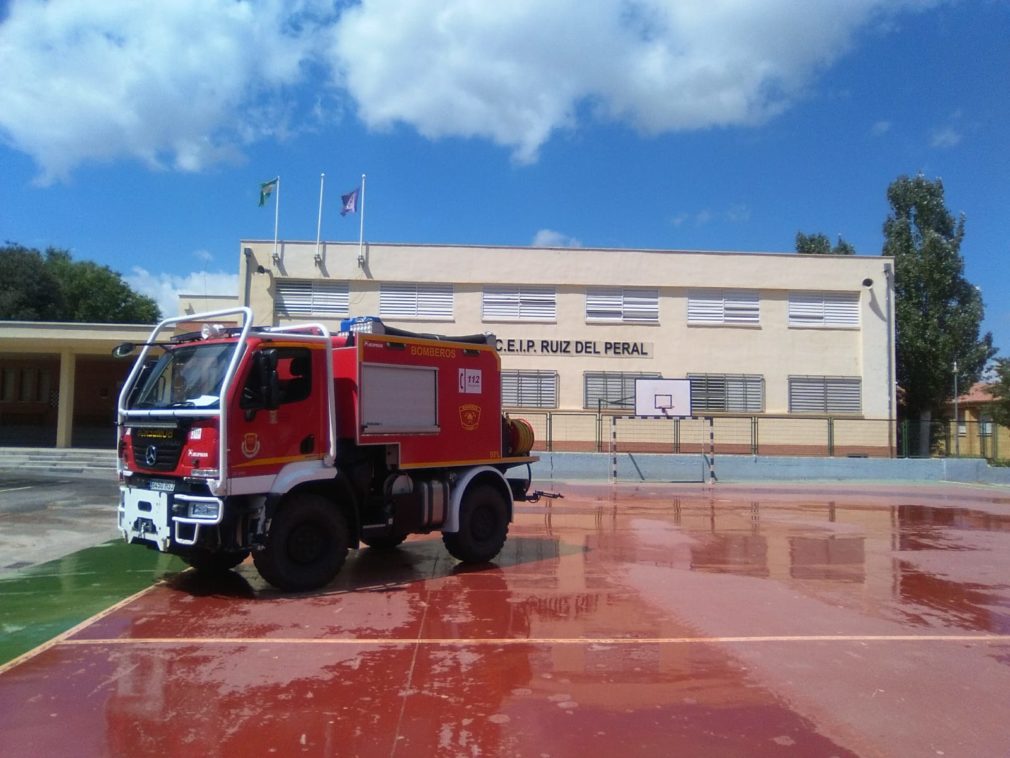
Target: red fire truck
(297,444)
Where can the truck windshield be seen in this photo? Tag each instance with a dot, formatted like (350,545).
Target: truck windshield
(189,376)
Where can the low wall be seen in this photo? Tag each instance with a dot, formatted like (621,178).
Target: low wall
(647,467)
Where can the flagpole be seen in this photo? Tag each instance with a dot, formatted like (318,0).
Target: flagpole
(319,221)
(277,216)
(361,224)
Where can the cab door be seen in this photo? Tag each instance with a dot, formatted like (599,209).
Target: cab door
(264,439)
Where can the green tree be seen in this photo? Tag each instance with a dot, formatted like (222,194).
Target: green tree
(97,294)
(28,291)
(819,244)
(54,287)
(938,313)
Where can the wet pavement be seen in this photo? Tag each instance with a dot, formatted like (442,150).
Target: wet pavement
(45,516)
(635,620)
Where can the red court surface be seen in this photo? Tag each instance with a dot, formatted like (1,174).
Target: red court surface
(652,620)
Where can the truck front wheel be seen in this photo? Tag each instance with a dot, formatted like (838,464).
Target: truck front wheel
(483,526)
(306,546)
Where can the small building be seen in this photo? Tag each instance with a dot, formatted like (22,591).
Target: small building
(973,433)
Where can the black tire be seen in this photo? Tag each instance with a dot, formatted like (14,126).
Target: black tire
(384,541)
(306,546)
(483,525)
(217,562)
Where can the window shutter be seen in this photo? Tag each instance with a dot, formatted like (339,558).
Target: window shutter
(825,394)
(304,297)
(704,308)
(740,393)
(718,307)
(603,305)
(519,303)
(841,309)
(824,309)
(433,301)
(742,308)
(529,389)
(630,305)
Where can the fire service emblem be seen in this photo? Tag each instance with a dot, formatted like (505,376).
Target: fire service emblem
(469,416)
(250,444)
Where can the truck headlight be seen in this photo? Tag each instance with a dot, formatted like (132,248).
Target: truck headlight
(204,510)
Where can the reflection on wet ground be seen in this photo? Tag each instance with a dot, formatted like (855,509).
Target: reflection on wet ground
(640,620)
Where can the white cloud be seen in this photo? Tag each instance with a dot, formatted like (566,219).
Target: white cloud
(204,256)
(182,84)
(171,83)
(880,128)
(516,72)
(734,214)
(166,288)
(551,238)
(945,136)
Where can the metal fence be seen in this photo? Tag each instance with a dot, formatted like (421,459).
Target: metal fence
(969,439)
(588,431)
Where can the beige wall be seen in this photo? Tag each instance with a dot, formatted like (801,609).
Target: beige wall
(772,349)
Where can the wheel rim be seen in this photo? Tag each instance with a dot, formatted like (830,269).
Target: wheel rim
(305,543)
(483,524)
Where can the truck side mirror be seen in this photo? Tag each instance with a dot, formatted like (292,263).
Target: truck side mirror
(266,373)
(123,349)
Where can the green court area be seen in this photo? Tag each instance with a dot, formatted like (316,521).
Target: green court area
(43,601)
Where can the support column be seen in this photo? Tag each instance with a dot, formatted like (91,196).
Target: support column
(65,410)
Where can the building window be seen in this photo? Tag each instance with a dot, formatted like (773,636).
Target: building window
(522,303)
(736,393)
(833,309)
(305,297)
(612,389)
(529,389)
(25,385)
(430,301)
(825,394)
(723,307)
(613,304)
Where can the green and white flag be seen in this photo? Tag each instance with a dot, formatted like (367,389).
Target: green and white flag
(266,188)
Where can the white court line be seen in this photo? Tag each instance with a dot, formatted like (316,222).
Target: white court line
(16,489)
(515,641)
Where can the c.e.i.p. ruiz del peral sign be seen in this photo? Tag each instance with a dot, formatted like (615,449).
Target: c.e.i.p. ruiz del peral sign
(587,348)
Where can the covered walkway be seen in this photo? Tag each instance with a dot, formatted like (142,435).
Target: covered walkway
(59,382)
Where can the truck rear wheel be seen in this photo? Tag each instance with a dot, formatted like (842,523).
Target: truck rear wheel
(483,526)
(307,544)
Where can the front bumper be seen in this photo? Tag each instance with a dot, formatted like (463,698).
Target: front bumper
(166,519)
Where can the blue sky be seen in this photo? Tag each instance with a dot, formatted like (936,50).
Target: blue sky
(139,139)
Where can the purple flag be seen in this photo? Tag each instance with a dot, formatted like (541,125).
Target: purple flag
(349,202)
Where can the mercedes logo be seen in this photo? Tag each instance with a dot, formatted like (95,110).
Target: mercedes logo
(151,455)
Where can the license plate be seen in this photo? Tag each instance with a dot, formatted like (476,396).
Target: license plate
(157,486)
